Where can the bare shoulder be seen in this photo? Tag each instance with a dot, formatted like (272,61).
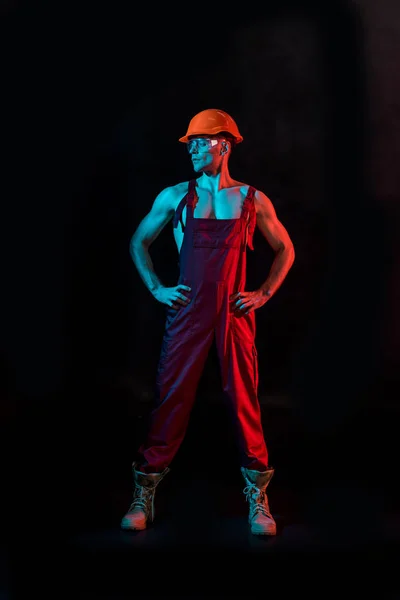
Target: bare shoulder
(269,223)
(260,199)
(160,214)
(263,204)
(171,195)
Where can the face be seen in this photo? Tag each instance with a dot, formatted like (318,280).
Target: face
(206,151)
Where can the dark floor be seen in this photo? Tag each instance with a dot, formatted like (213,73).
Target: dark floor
(338,524)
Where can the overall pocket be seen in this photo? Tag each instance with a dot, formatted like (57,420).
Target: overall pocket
(208,238)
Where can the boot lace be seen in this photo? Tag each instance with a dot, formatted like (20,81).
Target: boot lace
(141,498)
(257,500)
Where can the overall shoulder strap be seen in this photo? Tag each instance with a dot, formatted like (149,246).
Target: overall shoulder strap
(249,215)
(188,199)
(191,197)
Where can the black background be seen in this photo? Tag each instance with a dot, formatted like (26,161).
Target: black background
(96,97)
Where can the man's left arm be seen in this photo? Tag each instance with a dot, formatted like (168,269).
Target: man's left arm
(278,238)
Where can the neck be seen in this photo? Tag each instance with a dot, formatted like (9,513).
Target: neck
(216,180)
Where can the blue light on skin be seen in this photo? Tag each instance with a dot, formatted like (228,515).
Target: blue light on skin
(209,156)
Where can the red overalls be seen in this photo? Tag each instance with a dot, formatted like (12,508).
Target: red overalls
(213,264)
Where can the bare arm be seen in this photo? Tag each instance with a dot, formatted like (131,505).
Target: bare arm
(146,233)
(279,240)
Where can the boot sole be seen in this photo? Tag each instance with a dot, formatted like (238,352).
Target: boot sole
(263,532)
(133,528)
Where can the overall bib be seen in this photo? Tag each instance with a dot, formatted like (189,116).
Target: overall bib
(213,263)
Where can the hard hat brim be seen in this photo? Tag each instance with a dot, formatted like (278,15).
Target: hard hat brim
(186,137)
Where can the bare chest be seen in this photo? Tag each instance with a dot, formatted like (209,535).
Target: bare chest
(227,204)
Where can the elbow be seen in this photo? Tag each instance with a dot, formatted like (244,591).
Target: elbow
(292,254)
(134,246)
(137,242)
(287,251)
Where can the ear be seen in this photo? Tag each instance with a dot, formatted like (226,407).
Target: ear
(224,147)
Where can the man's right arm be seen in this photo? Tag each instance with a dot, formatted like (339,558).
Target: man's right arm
(147,231)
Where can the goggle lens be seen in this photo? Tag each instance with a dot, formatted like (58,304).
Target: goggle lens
(201,144)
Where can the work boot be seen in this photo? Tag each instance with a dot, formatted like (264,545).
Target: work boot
(260,518)
(141,511)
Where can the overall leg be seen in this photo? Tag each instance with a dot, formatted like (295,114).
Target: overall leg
(239,372)
(181,363)
(239,369)
(183,355)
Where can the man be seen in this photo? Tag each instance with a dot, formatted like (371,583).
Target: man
(214,217)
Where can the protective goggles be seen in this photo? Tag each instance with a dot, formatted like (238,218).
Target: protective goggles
(201,144)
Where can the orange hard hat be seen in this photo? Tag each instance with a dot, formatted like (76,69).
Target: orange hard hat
(211,122)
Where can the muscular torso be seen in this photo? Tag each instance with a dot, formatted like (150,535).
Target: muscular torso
(226,204)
